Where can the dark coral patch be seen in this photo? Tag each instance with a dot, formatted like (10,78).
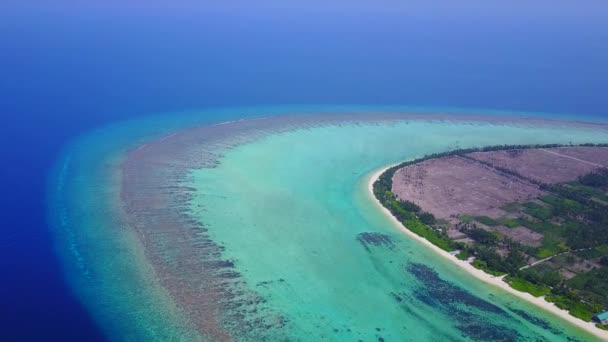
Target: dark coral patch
(539,322)
(375,239)
(467,311)
(448,293)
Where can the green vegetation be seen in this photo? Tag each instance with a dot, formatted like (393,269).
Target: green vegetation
(526,286)
(572,219)
(482,265)
(463,255)
(596,179)
(466,218)
(409,206)
(582,311)
(602,250)
(483,236)
(541,274)
(508,222)
(538,211)
(539,226)
(426,218)
(571,303)
(551,246)
(488,221)
(511,207)
(592,286)
(436,238)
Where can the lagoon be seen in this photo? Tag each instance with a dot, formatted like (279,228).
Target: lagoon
(290,212)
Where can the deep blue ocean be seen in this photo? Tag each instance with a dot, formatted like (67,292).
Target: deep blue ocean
(70,67)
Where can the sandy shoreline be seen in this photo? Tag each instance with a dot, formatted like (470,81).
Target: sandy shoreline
(479,274)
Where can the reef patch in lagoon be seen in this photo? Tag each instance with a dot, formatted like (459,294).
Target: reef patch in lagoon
(248,229)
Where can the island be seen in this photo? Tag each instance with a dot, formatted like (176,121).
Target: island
(534,217)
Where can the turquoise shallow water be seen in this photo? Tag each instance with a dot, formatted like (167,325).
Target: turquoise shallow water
(288,209)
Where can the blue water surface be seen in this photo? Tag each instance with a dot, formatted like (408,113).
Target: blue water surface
(67,67)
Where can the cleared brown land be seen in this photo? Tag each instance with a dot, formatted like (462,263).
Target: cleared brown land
(455,185)
(552,165)
(473,184)
(522,235)
(596,155)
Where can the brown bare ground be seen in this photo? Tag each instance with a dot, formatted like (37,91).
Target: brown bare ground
(454,185)
(597,155)
(552,165)
(522,235)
